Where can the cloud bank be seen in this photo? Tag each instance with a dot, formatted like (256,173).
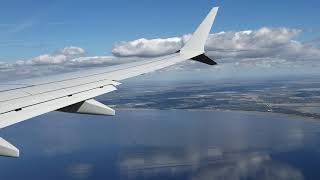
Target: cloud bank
(264,48)
(264,42)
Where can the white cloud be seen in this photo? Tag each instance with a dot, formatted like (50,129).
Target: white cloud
(87,61)
(93,59)
(5,67)
(64,60)
(48,59)
(147,48)
(73,51)
(262,43)
(261,38)
(60,57)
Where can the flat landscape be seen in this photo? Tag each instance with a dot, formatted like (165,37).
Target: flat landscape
(300,97)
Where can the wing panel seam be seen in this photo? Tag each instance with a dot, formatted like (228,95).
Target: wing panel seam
(21,108)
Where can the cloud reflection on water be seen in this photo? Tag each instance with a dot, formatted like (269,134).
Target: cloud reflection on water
(151,144)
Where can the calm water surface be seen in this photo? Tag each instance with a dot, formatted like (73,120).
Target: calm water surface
(155,144)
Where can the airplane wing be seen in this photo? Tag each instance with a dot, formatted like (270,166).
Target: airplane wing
(74,92)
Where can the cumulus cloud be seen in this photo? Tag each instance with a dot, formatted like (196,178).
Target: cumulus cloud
(64,60)
(48,59)
(263,43)
(147,48)
(60,57)
(72,51)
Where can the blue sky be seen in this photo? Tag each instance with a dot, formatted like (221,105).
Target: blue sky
(30,28)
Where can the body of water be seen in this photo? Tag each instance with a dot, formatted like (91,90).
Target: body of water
(156,144)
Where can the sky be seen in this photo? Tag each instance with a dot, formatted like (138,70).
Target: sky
(81,33)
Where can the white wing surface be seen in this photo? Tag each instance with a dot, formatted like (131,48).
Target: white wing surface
(74,92)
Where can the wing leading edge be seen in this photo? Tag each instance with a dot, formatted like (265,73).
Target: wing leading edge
(74,92)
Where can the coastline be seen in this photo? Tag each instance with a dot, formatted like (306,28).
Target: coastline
(292,116)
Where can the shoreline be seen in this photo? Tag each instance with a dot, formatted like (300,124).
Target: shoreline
(296,117)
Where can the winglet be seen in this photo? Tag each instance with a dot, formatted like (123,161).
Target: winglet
(195,45)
